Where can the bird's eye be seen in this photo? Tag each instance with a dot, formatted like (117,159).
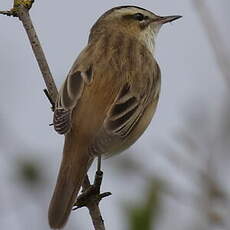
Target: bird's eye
(138,16)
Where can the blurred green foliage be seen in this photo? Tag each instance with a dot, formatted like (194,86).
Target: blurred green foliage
(29,171)
(143,215)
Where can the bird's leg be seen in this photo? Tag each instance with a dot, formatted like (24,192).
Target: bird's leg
(91,193)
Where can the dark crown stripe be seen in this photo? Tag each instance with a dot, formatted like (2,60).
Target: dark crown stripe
(119,8)
(123,7)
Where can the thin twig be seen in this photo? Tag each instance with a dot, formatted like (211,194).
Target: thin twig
(50,99)
(7,12)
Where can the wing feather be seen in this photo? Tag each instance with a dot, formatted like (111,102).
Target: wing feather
(61,120)
(125,114)
(68,98)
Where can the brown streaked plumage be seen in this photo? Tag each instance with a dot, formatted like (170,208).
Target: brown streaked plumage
(108,98)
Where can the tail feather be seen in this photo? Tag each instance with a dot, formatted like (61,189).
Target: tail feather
(74,166)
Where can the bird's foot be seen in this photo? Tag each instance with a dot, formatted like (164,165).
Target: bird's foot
(91,193)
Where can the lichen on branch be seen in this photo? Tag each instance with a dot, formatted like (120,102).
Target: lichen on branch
(27,4)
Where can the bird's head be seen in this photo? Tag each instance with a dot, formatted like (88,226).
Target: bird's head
(131,20)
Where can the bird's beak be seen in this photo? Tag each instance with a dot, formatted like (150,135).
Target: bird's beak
(165,19)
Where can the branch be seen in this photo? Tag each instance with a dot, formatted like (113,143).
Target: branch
(91,196)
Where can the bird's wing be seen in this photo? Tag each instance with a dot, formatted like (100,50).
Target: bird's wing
(126,111)
(69,95)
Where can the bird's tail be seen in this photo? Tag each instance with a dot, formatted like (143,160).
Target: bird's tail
(74,166)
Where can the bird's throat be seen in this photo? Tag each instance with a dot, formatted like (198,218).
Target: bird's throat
(148,39)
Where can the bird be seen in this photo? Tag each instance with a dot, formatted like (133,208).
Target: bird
(107,99)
